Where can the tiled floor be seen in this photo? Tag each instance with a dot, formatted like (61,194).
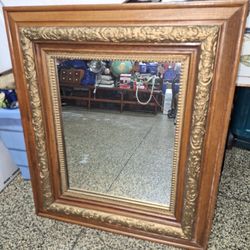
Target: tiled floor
(139,157)
(20,228)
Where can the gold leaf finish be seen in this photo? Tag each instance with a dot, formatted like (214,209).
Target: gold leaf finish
(55,97)
(178,130)
(198,128)
(51,58)
(115,220)
(37,120)
(206,36)
(122,34)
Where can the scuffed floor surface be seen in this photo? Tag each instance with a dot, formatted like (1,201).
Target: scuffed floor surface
(20,228)
(125,154)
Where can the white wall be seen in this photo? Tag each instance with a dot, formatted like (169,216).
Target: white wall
(5,61)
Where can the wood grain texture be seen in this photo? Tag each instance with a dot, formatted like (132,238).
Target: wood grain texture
(210,33)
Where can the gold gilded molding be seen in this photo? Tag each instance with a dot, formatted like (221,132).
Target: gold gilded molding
(146,34)
(37,120)
(51,58)
(113,219)
(52,74)
(207,36)
(198,128)
(178,130)
(147,57)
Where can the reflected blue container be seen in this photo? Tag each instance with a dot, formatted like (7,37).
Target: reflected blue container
(11,134)
(143,68)
(164,87)
(170,74)
(152,68)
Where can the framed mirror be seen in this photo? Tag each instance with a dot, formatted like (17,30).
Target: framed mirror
(125,111)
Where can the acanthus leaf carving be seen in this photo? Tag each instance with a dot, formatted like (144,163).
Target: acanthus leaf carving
(207,36)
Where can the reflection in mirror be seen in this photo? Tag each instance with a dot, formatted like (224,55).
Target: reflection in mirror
(119,126)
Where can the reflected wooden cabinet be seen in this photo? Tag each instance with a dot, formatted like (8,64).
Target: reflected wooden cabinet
(134,174)
(120,97)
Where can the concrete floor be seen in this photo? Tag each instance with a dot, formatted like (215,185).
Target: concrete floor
(21,229)
(127,154)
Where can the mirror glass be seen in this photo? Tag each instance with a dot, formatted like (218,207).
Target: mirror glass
(119,126)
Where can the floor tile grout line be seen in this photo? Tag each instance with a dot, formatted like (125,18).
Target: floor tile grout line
(77,238)
(40,232)
(102,240)
(88,175)
(126,163)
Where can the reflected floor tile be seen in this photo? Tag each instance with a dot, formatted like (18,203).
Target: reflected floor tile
(94,142)
(99,179)
(96,158)
(147,176)
(235,181)
(148,189)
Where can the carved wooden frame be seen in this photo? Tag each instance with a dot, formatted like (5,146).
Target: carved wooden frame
(50,58)
(32,46)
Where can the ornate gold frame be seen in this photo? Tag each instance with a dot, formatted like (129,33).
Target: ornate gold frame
(207,33)
(51,58)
